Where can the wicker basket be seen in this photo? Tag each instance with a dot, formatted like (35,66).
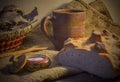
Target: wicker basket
(12,39)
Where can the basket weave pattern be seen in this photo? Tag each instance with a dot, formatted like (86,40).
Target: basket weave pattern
(12,39)
(6,45)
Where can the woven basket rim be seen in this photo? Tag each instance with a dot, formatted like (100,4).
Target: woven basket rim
(8,35)
(14,30)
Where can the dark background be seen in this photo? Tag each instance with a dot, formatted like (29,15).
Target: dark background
(45,6)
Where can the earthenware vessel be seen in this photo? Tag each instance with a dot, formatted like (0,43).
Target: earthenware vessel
(67,23)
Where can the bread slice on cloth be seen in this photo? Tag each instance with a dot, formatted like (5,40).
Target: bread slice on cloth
(88,61)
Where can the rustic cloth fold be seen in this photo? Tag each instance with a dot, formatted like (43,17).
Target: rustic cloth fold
(55,71)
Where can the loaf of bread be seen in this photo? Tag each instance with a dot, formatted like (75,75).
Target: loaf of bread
(88,61)
(97,54)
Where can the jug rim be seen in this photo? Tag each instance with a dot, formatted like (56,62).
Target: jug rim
(68,11)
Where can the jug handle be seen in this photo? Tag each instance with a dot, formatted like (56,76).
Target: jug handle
(44,28)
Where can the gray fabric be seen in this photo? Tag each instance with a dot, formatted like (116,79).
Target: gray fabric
(87,61)
(83,77)
(37,38)
(55,71)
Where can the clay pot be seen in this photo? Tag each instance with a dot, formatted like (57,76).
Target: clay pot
(66,24)
(95,37)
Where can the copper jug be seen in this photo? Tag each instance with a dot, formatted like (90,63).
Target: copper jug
(67,23)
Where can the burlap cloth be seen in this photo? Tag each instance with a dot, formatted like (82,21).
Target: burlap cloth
(94,20)
(55,71)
